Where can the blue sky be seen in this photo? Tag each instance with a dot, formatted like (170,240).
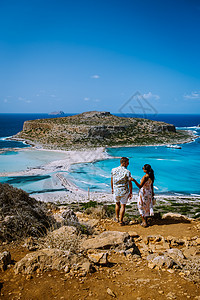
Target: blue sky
(95,55)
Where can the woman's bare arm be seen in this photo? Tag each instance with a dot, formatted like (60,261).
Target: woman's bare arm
(152,189)
(143,180)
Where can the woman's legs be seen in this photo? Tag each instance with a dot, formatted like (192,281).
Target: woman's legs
(144,221)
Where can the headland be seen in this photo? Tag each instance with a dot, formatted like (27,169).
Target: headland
(96,129)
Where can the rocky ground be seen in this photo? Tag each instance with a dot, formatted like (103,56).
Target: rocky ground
(86,255)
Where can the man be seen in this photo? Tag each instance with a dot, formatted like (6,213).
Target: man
(121,188)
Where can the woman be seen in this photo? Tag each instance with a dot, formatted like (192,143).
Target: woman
(146,193)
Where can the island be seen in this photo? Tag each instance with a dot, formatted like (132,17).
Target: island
(57,113)
(96,129)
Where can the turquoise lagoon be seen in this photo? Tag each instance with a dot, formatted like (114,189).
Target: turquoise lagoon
(176,170)
(23,160)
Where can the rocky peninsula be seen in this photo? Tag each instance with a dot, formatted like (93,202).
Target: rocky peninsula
(97,129)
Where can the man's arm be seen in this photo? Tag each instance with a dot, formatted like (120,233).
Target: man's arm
(112,184)
(130,189)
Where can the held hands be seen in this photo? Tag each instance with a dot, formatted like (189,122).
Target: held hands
(130,195)
(132,179)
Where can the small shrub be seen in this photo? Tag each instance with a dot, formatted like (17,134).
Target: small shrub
(89,204)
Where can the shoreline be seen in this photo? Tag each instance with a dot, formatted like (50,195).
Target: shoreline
(74,193)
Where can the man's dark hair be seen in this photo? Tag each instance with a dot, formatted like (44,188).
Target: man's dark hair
(124,160)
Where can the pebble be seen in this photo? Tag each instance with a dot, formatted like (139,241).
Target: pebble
(111,293)
(171,295)
(170,271)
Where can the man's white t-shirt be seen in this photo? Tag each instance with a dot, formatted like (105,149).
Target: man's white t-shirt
(121,178)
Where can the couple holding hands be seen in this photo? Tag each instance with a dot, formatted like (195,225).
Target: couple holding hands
(121,185)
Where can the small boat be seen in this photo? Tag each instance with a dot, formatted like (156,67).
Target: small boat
(174,146)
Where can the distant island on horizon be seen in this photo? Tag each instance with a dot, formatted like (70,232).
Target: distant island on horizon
(57,113)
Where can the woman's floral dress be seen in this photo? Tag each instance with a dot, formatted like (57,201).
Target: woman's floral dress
(145,204)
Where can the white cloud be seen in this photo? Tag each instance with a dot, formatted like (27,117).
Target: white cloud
(53,96)
(5,100)
(193,95)
(97,100)
(150,96)
(21,98)
(86,99)
(24,100)
(95,76)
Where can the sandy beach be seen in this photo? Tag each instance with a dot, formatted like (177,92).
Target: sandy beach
(72,192)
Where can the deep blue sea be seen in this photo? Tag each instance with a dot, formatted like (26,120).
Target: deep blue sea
(177,170)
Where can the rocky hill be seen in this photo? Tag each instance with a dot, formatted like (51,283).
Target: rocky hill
(92,129)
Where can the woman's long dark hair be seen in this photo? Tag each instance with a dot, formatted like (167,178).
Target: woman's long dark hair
(150,171)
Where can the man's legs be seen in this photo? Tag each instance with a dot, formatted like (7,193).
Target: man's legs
(117,209)
(122,212)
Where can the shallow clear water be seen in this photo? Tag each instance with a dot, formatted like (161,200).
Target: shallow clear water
(15,161)
(34,184)
(176,170)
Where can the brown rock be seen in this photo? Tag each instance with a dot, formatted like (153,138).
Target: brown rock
(63,231)
(87,266)
(160,261)
(42,260)
(198,241)
(133,234)
(175,253)
(98,257)
(188,252)
(176,217)
(109,239)
(5,259)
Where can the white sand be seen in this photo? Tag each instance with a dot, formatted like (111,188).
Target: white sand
(75,194)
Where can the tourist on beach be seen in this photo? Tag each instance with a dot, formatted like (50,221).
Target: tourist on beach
(121,186)
(146,193)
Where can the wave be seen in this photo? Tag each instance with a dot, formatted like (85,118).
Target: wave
(85,182)
(5,138)
(105,176)
(161,159)
(167,159)
(188,127)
